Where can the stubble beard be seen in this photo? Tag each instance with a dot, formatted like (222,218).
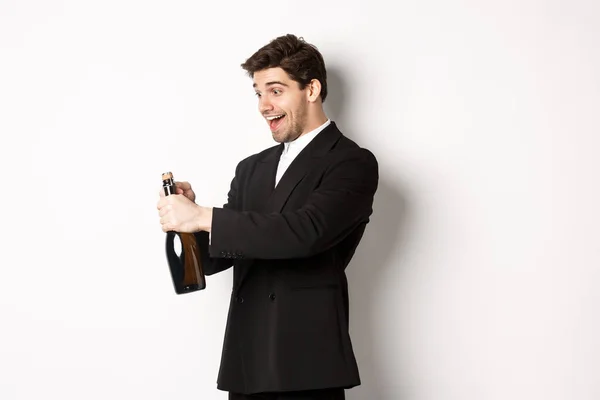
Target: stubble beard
(295,129)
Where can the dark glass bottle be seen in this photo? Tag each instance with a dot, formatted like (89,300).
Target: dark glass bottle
(186,268)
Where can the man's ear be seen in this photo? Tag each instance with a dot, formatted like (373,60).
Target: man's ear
(313,90)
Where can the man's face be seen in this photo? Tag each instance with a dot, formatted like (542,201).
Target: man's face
(281,103)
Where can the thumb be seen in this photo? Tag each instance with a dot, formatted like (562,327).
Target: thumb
(183,185)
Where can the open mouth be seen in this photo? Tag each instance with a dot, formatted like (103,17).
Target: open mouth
(275,121)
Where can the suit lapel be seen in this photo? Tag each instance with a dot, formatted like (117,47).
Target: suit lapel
(301,166)
(263,180)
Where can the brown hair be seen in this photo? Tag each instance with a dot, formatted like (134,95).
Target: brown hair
(302,61)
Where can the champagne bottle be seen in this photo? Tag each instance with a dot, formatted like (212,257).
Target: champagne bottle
(186,269)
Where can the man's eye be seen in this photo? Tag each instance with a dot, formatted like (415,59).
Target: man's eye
(276,91)
(257,94)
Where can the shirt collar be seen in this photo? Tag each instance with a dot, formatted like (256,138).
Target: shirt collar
(300,143)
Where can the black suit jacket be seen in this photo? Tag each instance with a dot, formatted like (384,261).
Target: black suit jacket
(287,327)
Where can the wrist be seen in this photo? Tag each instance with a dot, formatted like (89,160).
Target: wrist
(205,219)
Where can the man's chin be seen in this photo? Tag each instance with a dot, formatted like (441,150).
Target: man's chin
(284,136)
(279,137)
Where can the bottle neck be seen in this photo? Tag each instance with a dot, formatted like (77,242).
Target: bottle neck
(169,186)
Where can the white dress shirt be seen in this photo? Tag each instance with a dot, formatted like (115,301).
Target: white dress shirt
(292,149)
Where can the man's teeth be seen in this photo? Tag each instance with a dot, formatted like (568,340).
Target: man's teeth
(274,117)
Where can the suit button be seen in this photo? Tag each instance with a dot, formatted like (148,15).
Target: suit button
(272,296)
(239,299)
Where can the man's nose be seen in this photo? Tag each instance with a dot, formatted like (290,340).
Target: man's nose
(264,105)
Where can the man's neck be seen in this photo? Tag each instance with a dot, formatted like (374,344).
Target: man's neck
(314,123)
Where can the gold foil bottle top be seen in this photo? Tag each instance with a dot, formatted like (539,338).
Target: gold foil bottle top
(166,176)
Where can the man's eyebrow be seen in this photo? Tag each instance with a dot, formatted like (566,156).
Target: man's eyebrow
(273,83)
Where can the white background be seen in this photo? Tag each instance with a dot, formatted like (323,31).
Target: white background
(478,277)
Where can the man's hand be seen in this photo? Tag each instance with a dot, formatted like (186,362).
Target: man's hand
(178,213)
(184,188)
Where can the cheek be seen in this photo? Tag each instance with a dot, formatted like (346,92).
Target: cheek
(290,107)
(281,104)
(288,104)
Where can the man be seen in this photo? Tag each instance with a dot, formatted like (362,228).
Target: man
(294,216)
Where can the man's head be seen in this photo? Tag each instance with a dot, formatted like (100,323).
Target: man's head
(290,81)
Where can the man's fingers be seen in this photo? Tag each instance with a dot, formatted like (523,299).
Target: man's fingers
(183,185)
(164,210)
(163,202)
(165,223)
(166,203)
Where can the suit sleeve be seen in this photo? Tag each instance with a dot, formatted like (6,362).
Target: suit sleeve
(341,203)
